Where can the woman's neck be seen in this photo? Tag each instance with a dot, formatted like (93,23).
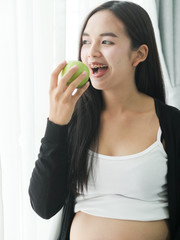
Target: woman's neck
(129,100)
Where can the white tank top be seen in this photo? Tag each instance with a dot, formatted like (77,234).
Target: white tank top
(131,187)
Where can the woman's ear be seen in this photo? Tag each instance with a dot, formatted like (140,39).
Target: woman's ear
(141,55)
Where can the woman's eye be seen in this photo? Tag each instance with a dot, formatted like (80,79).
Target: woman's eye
(85,42)
(107,42)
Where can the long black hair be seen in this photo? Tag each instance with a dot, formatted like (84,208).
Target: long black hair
(85,123)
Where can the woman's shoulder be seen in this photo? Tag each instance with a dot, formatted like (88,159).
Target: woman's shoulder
(167,112)
(165,107)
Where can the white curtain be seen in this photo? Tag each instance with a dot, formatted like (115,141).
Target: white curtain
(169,26)
(32,43)
(1,207)
(35,36)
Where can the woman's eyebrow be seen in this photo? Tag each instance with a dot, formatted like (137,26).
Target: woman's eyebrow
(102,34)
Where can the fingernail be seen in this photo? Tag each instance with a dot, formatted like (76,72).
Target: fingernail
(75,67)
(84,73)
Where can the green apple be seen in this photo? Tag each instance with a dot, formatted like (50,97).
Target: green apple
(81,68)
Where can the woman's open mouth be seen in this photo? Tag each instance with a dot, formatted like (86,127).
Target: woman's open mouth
(98,70)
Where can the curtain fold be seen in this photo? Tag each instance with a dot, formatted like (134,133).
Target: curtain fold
(169,28)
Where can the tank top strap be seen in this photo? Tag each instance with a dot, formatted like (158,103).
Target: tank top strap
(159,134)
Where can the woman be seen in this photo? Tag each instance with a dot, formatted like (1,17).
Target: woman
(110,155)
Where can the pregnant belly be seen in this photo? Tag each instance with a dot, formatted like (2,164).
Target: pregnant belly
(88,227)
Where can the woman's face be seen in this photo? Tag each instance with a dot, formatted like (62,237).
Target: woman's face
(107,51)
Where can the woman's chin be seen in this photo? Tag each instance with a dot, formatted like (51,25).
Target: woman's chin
(97,86)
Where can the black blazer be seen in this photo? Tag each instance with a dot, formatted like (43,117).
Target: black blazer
(48,188)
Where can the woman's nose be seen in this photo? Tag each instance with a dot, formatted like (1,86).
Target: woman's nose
(94,51)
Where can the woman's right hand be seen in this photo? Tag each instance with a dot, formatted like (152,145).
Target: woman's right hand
(62,101)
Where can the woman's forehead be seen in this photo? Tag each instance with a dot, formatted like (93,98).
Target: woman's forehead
(104,21)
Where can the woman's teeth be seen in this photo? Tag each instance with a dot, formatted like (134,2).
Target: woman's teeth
(96,67)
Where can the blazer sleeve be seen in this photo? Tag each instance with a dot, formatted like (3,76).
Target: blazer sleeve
(48,184)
